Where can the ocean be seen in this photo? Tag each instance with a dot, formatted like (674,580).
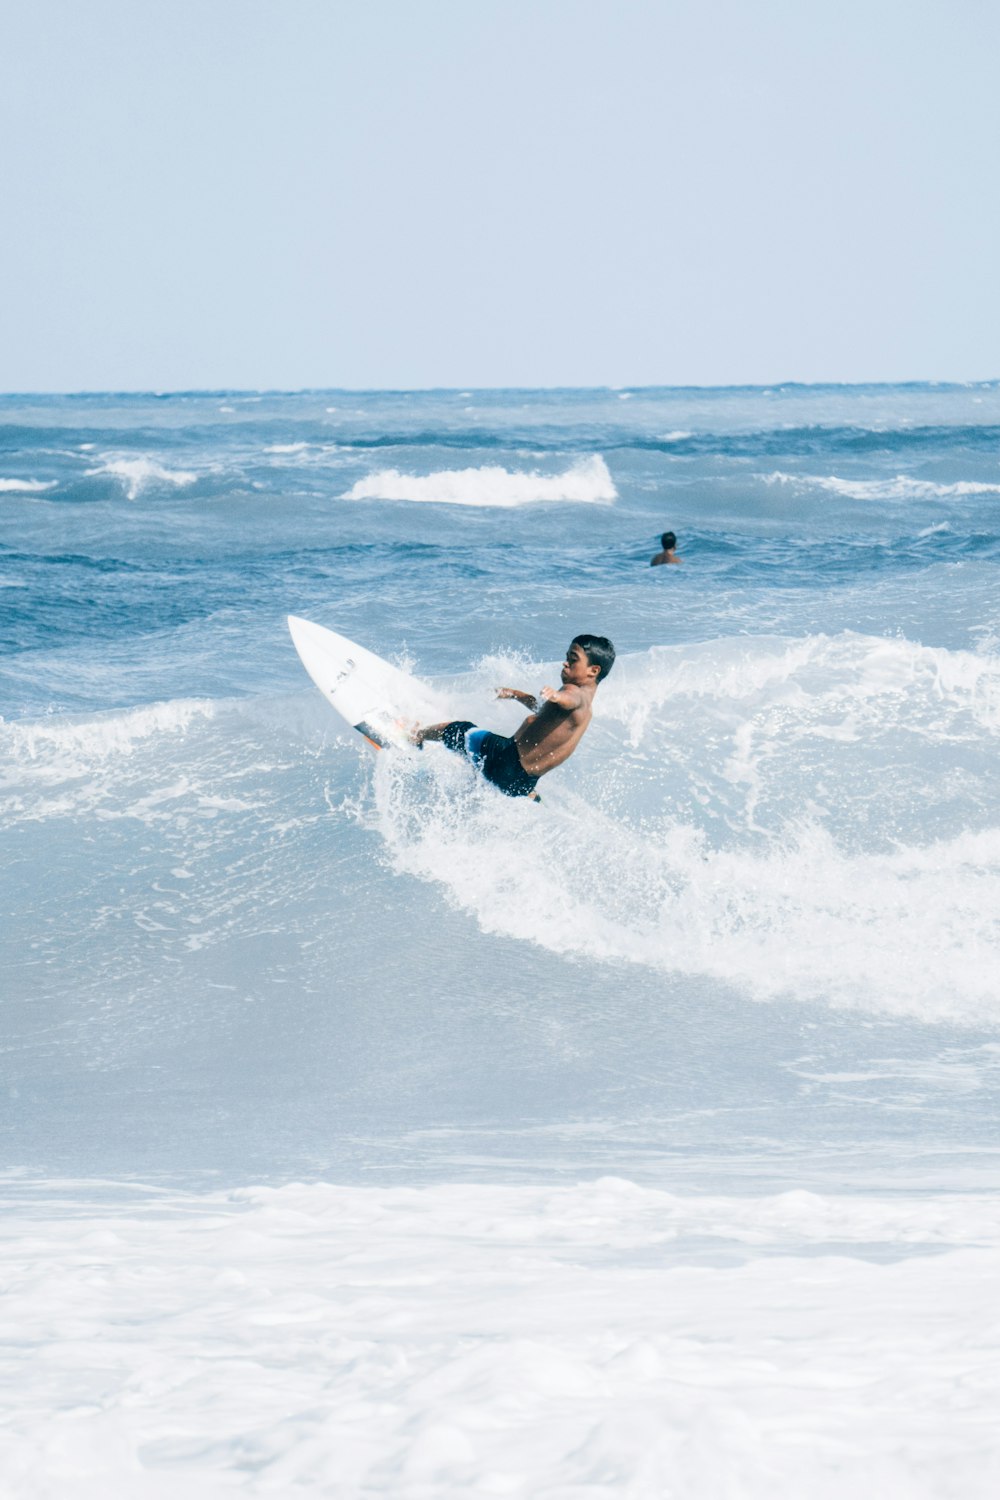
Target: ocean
(368,1133)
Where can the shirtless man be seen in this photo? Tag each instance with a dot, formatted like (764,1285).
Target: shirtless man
(668,542)
(549,734)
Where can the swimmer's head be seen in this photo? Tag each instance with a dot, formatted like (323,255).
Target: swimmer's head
(668,541)
(599,652)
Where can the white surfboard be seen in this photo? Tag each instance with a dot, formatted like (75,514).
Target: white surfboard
(371,695)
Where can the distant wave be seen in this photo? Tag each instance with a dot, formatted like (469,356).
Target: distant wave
(137,473)
(818,439)
(27,486)
(608,436)
(585,482)
(902,487)
(302,453)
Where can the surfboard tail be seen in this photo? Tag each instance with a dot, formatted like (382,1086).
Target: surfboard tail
(373,736)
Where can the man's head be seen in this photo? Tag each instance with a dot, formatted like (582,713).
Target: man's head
(593,650)
(668,541)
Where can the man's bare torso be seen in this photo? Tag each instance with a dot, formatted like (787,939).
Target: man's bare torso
(550,736)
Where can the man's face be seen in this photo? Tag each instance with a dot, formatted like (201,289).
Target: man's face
(576,668)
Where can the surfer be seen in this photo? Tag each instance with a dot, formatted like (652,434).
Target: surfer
(549,735)
(668,542)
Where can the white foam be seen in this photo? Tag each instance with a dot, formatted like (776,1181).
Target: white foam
(902,487)
(164,763)
(603,1339)
(27,486)
(912,934)
(62,766)
(137,473)
(97,736)
(842,671)
(313,454)
(585,482)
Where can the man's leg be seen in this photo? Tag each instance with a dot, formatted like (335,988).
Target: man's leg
(452,734)
(430,732)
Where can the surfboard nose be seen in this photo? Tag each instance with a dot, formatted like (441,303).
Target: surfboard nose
(307,637)
(299,629)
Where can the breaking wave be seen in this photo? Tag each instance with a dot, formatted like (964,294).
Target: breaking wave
(757,814)
(136,474)
(901,487)
(585,482)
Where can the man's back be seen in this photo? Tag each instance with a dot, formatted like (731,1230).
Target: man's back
(668,542)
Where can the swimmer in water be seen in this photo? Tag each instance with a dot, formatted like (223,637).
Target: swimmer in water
(668,542)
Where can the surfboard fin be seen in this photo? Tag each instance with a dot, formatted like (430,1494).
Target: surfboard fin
(372,736)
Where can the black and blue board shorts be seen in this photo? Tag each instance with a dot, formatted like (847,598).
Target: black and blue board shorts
(494,756)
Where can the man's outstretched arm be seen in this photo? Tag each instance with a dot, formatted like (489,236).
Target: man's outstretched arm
(528,699)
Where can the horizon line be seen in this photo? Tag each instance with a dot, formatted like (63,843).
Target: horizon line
(162,394)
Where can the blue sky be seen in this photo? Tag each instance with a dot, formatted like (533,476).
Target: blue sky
(412,193)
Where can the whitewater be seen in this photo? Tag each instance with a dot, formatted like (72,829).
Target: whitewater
(367,1133)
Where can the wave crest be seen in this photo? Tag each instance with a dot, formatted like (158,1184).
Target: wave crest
(137,473)
(901,487)
(585,482)
(26,486)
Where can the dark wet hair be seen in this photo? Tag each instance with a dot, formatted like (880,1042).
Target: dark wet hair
(599,652)
(668,540)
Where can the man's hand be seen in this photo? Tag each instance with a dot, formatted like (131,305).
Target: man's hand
(528,699)
(566,697)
